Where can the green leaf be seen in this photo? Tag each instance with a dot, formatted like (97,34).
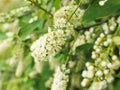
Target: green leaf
(60,57)
(3,35)
(57,4)
(95,11)
(29,28)
(83,51)
(115,1)
(83,47)
(117,84)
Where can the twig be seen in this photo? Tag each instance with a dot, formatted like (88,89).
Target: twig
(36,4)
(97,24)
(74,11)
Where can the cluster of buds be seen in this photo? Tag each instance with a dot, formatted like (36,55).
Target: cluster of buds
(51,43)
(61,78)
(62,18)
(106,62)
(13,14)
(89,35)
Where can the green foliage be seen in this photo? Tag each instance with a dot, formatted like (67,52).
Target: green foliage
(95,11)
(29,28)
(57,4)
(87,47)
(117,85)
(3,35)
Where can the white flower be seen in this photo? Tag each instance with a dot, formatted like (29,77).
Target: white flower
(90,74)
(61,16)
(35,18)
(106,43)
(114,57)
(109,65)
(84,73)
(88,64)
(109,78)
(49,44)
(116,40)
(85,82)
(102,2)
(106,71)
(38,66)
(90,68)
(12,61)
(60,80)
(98,85)
(103,63)
(32,74)
(19,69)
(99,73)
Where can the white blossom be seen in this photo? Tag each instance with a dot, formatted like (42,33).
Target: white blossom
(19,69)
(61,79)
(61,16)
(98,85)
(49,44)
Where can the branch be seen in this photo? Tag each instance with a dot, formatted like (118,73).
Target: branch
(97,24)
(80,3)
(36,4)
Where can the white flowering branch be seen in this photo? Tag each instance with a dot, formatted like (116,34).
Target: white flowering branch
(74,11)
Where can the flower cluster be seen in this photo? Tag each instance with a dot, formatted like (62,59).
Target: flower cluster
(62,16)
(61,78)
(49,44)
(20,69)
(106,61)
(13,14)
(89,35)
(19,11)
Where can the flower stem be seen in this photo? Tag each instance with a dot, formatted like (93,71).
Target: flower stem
(74,11)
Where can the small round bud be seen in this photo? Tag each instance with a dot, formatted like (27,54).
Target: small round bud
(94,56)
(99,73)
(95,47)
(85,82)
(90,67)
(110,79)
(87,64)
(109,40)
(102,2)
(107,31)
(84,73)
(106,71)
(105,43)
(87,33)
(91,30)
(109,65)
(97,50)
(103,63)
(112,27)
(90,74)
(102,35)
(114,57)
